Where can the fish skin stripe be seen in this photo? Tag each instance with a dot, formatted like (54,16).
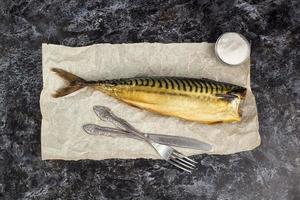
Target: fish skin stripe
(159,81)
(188,88)
(147,82)
(142,81)
(202,86)
(183,84)
(113,82)
(171,81)
(221,87)
(199,86)
(225,88)
(194,84)
(206,86)
(189,84)
(166,83)
(178,85)
(218,87)
(215,86)
(210,87)
(153,82)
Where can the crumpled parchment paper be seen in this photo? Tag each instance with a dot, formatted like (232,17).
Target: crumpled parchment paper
(62,135)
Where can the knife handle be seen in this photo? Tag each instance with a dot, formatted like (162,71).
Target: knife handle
(106,114)
(94,129)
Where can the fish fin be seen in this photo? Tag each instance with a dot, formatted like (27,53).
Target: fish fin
(71,78)
(228,97)
(74,83)
(66,90)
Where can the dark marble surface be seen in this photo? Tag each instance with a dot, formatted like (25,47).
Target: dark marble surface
(271,171)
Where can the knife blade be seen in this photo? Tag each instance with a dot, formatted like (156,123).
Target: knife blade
(171,140)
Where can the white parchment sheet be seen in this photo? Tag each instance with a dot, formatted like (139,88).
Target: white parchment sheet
(62,135)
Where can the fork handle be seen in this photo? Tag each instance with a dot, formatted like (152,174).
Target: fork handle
(123,124)
(107,115)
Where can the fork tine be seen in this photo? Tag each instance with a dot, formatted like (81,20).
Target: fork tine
(183,156)
(188,161)
(177,165)
(182,163)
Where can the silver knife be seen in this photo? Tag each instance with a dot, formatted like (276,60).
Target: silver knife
(177,141)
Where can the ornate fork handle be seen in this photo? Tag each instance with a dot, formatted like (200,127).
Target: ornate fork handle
(106,114)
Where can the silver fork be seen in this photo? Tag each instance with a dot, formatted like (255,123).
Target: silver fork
(168,153)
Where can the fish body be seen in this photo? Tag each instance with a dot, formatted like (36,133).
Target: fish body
(201,100)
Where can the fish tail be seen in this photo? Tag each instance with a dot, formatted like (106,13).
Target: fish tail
(74,83)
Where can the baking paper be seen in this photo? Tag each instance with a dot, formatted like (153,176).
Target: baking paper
(62,135)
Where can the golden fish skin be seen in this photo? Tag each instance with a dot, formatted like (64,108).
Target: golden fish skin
(200,100)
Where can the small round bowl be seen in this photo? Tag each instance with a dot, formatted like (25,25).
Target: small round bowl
(241,60)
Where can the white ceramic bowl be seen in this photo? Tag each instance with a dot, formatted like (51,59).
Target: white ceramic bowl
(231,54)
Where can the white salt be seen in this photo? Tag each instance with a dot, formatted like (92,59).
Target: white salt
(232,48)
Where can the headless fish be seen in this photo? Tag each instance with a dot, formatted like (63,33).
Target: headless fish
(200,100)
